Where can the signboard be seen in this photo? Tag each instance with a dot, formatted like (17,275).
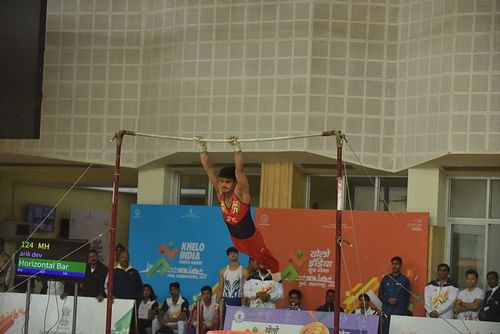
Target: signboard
(275,321)
(52,258)
(50,312)
(304,243)
(187,244)
(418,325)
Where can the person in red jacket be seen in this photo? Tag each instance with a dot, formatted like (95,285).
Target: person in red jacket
(233,192)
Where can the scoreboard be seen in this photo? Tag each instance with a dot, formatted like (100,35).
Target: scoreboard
(52,258)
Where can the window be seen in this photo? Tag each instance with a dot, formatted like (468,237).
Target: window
(254,184)
(194,190)
(467,249)
(323,192)
(495,199)
(392,194)
(360,193)
(473,218)
(468,198)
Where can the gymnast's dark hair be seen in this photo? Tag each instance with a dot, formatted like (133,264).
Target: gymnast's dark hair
(228,172)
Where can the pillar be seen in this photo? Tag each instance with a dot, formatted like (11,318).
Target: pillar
(156,185)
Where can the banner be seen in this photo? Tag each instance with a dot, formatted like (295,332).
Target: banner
(275,321)
(304,243)
(185,244)
(417,325)
(49,312)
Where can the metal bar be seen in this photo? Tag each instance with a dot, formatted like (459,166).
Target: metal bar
(75,307)
(27,307)
(112,229)
(226,140)
(338,236)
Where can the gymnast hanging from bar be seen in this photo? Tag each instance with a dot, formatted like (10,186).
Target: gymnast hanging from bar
(233,192)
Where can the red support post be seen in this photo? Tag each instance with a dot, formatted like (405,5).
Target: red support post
(112,230)
(338,232)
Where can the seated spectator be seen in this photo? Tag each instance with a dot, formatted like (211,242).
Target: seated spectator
(294,298)
(261,290)
(147,310)
(491,307)
(173,313)
(209,313)
(365,306)
(329,306)
(469,300)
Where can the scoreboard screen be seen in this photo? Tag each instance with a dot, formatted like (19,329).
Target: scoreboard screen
(52,258)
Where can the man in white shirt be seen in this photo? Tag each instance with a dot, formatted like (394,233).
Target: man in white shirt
(261,290)
(440,294)
(469,300)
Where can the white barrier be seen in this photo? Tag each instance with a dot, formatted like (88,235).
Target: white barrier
(400,324)
(51,312)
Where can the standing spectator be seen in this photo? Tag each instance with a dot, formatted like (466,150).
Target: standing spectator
(365,306)
(491,307)
(95,277)
(294,300)
(127,280)
(173,313)
(231,280)
(209,313)
(469,300)
(329,305)
(127,284)
(261,290)
(440,294)
(4,265)
(394,293)
(147,310)
(118,250)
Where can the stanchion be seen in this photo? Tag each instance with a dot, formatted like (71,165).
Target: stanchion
(27,307)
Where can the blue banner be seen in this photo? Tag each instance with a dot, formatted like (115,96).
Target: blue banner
(185,244)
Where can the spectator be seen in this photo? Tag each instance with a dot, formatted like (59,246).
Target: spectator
(440,294)
(209,313)
(231,280)
(261,290)
(95,277)
(294,300)
(4,265)
(118,249)
(173,313)
(491,307)
(127,283)
(365,306)
(147,310)
(394,293)
(469,300)
(252,267)
(329,306)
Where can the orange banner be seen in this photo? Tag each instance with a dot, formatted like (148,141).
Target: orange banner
(304,243)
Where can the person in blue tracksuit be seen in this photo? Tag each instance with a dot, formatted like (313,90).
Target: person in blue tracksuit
(394,292)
